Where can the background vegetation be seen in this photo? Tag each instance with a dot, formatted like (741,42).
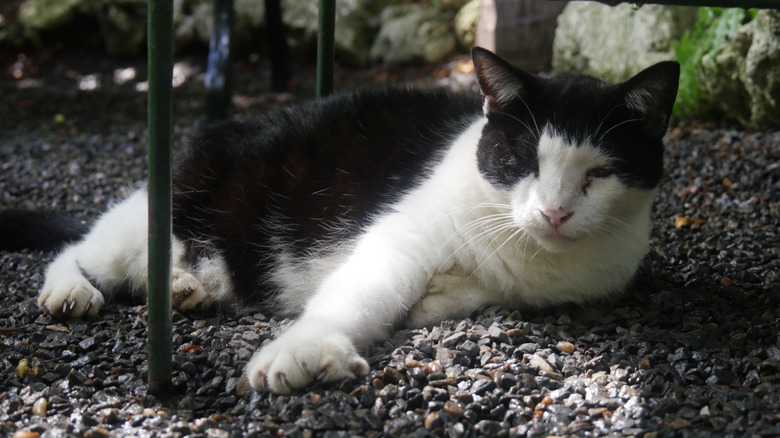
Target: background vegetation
(714,27)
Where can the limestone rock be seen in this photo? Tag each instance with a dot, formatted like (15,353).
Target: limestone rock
(413,33)
(41,14)
(466,23)
(122,22)
(743,79)
(193,21)
(301,19)
(119,25)
(520,32)
(616,42)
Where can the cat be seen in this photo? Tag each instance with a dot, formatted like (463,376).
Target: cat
(363,211)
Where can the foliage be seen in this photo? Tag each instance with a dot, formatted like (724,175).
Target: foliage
(713,28)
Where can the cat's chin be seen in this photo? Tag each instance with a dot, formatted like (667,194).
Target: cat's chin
(556,242)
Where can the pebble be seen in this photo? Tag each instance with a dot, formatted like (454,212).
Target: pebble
(566,347)
(40,406)
(690,348)
(538,362)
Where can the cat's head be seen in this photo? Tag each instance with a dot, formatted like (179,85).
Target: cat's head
(574,154)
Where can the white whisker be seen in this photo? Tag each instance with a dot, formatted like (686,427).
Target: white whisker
(538,134)
(491,223)
(615,126)
(534,254)
(604,119)
(507,240)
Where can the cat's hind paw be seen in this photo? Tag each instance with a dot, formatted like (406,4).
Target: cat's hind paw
(451,295)
(302,355)
(187,292)
(439,303)
(70,297)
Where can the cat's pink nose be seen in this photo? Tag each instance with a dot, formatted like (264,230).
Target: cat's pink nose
(556,217)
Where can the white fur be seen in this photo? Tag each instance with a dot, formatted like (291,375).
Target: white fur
(457,243)
(115,255)
(452,245)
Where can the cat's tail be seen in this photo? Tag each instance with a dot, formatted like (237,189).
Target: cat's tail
(41,230)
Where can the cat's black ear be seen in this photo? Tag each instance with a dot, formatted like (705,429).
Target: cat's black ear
(499,81)
(651,94)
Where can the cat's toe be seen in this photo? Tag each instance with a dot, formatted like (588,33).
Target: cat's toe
(352,367)
(273,369)
(70,298)
(297,359)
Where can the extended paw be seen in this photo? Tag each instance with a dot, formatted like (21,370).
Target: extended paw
(301,356)
(70,297)
(187,292)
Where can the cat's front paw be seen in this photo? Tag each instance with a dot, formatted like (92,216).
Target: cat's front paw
(305,353)
(70,297)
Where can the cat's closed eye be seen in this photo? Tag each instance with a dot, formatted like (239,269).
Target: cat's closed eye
(597,173)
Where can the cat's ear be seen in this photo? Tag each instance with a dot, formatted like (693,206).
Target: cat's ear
(499,82)
(651,94)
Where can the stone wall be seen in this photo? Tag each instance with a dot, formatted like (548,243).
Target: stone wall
(381,31)
(616,42)
(743,78)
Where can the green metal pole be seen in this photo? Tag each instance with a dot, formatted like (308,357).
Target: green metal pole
(160,138)
(325,47)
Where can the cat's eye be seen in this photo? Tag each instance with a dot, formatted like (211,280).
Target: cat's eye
(596,173)
(599,172)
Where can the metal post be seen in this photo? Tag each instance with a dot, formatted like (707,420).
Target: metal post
(325,47)
(160,136)
(218,74)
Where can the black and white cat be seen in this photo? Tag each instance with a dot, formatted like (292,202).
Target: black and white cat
(363,211)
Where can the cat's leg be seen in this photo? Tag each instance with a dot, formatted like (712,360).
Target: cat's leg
(451,295)
(356,305)
(110,256)
(114,256)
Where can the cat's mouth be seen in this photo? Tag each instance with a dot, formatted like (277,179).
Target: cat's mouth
(554,241)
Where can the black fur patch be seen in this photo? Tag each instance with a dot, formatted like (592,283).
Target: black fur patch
(313,176)
(627,121)
(307,176)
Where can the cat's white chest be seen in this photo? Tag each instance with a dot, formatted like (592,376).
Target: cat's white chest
(491,236)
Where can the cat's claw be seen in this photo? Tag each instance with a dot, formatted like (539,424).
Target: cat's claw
(70,298)
(303,354)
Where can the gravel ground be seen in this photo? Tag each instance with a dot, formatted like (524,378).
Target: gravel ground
(691,349)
